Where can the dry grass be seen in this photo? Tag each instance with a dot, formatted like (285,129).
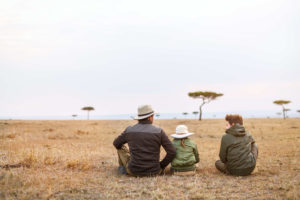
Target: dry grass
(76,160)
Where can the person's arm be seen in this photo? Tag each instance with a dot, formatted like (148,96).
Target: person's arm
(251,139)
(223,150)
(196,153)
(120,140)
(169,148)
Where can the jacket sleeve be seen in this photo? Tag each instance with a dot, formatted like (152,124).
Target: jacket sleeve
(169,148)
(251,139)
(120,140)
(223,150)
(196,154)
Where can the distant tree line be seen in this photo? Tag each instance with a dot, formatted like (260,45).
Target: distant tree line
(86,108)
(205,97)
(284,110)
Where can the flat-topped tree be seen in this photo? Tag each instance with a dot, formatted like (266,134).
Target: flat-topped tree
(286,110)
(88,109)
(278,113)
(195,113)
(282,103)
(185,113)
(205,96)
(74,115)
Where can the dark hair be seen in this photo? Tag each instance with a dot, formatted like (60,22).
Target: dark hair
(143,120)
(234,119)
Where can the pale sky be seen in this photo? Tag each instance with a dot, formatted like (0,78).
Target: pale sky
(58,56)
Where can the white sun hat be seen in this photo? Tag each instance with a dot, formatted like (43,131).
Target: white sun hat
(181,132)
(144,111)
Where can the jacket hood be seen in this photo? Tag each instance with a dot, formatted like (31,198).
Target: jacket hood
(236,130)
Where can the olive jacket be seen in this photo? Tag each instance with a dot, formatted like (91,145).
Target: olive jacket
(186,157)
(235,151)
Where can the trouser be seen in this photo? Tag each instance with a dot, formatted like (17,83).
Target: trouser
(123,158)
(184,173)
(222,166)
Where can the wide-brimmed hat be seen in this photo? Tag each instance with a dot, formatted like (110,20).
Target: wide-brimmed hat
(181,132)
(144,111)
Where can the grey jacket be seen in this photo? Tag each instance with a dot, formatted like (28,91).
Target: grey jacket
(144,141)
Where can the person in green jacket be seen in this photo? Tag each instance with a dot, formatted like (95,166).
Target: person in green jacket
(238,151)
(186,151)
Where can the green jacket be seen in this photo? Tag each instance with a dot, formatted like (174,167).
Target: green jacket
(235,151)
(186,157)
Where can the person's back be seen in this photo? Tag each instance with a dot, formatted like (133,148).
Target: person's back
(186,157)
(239,159)
(238,151)
(186,151)
(144,141)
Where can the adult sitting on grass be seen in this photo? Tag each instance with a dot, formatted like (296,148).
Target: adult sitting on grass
(238,151)
(144,141)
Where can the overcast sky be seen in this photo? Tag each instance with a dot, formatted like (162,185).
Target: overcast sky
(58,56)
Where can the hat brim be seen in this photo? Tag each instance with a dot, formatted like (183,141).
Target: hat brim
(177,136)
(143,117)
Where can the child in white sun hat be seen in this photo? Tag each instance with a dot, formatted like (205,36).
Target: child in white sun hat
(186,151)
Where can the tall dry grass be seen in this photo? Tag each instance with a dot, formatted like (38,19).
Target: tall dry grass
(76,160)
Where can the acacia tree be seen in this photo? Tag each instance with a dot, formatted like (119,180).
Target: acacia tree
(278,113)
(298,111)
(205,96)
(88,109)
(157,115)
(282,103)
(195,113)
(286,110)
(185,113)
(74,115)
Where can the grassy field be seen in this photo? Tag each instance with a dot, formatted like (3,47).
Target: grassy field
(76,160)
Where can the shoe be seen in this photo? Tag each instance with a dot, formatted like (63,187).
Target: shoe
(122,170)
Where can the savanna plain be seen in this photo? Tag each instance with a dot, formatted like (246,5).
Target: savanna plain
(76,160)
